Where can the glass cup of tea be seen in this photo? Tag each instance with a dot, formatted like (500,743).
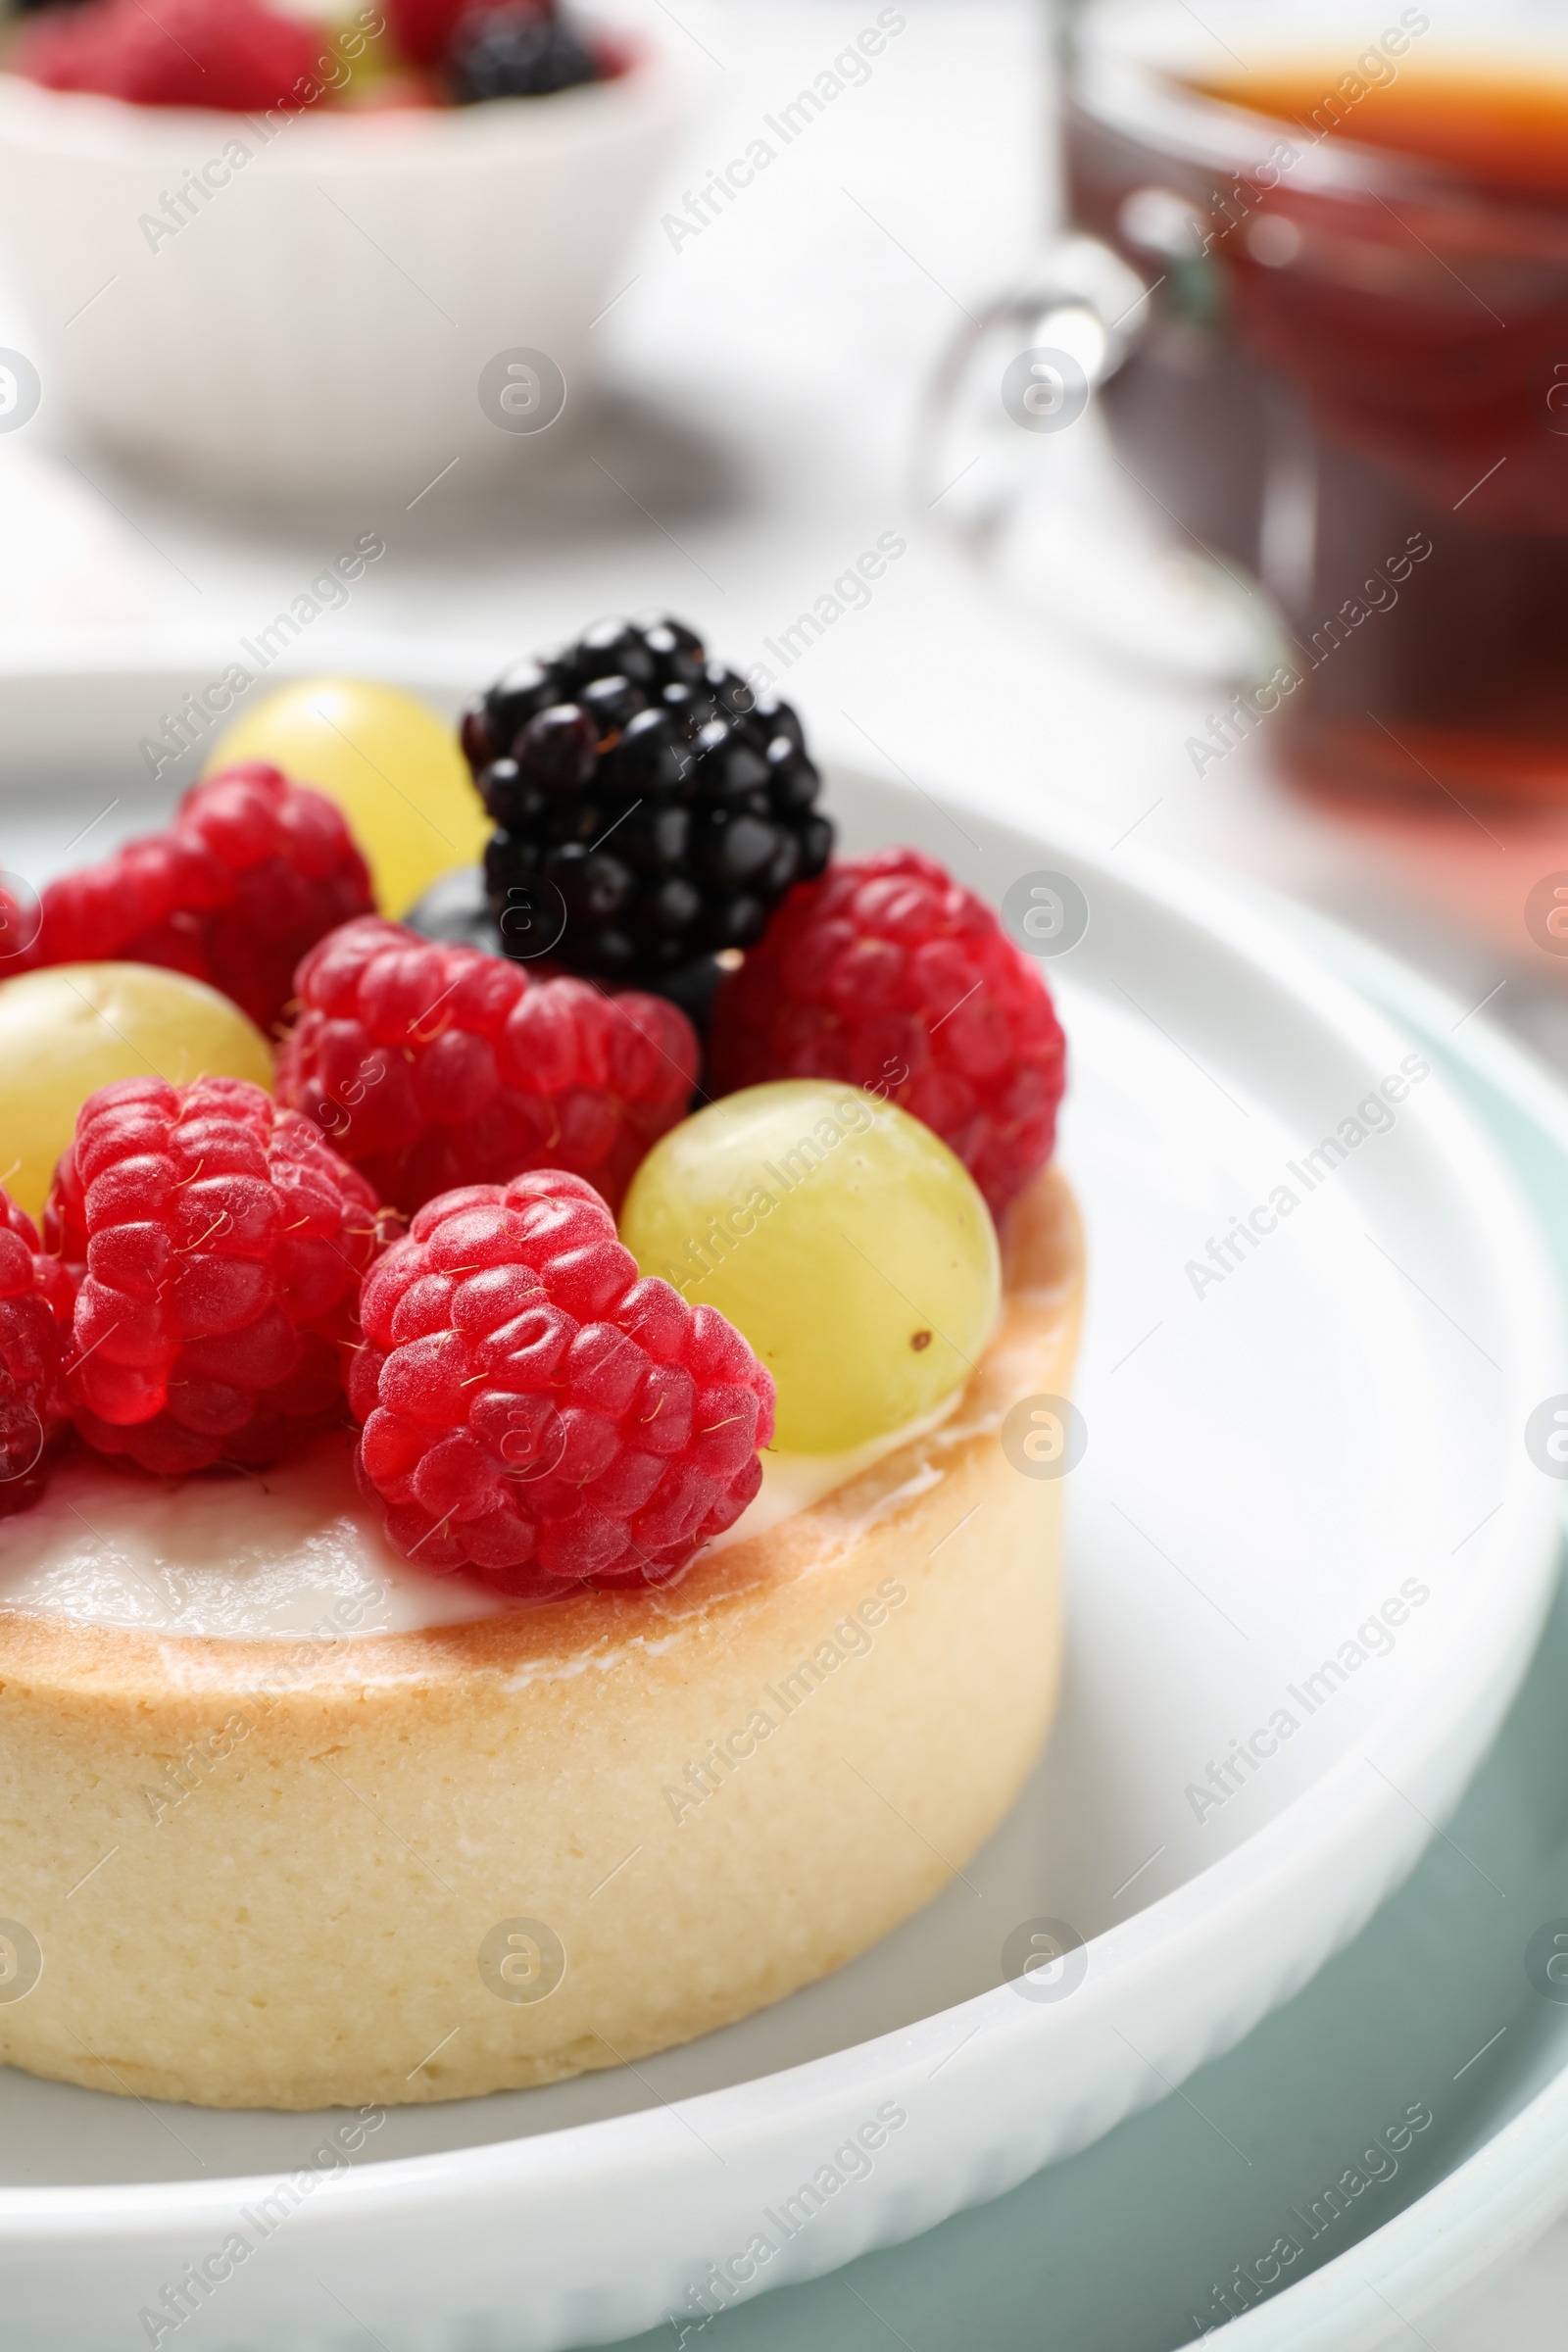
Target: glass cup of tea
(1309,328)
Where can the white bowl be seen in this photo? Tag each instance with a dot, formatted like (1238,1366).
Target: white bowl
(1268,1462)
(322,320)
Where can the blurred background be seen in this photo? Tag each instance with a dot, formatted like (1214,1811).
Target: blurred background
(1278,361)
(1149,422)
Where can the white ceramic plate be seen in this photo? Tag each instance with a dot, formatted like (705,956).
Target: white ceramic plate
(1424,2266)
(1269,1463)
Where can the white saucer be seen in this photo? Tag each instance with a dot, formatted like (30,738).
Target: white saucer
(1274,1460)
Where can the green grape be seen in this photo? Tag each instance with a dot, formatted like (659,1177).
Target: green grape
(74,1027)
(849,1246)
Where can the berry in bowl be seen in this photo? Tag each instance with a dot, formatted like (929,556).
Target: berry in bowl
(290,256)
(500,1511)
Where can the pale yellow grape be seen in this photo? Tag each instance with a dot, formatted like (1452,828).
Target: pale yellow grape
(392,765)
(849,1246)
(74,1027)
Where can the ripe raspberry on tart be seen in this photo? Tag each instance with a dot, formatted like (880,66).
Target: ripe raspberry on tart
(224,1241)
(36,1297)
(434,1067)
(889,973)
(252,872)
(535,1409)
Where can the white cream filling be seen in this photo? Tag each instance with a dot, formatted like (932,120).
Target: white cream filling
(279,1552)
(289,1552)
(793,1481)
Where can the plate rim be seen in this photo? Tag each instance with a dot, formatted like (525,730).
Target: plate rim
(1501,2199)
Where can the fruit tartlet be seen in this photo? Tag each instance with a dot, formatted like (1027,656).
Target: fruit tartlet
(450,1639)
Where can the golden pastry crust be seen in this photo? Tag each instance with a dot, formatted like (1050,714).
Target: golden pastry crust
(424,1865)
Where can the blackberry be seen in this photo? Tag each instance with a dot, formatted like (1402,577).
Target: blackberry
(516,51)
(455,912)
(669,806)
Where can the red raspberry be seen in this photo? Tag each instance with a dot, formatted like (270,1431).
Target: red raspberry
(433,1066)
(890,975)
(228,54)
(252,872)
(536,1410)
(224,1243)
(36,1296)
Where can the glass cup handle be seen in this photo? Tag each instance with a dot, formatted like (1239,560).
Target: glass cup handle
(1015,457)
(1026,367)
